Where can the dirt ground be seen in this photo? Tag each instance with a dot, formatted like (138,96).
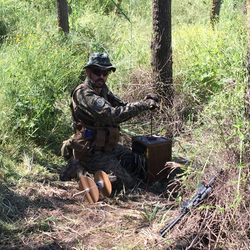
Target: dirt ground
(47,216)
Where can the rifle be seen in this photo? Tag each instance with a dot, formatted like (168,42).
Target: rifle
(203,190)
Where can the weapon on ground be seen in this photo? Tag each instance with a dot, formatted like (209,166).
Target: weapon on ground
(203,190)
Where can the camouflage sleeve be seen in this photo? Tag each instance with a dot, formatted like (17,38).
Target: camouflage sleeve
(114,100)
(101,110)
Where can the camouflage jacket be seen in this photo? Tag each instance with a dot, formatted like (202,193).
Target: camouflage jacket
(102,110)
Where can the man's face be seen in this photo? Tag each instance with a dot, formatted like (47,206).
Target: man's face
(98,76)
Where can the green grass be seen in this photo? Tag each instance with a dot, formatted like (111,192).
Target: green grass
(40,66)
(206,58)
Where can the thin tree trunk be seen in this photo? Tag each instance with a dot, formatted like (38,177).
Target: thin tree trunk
(161,50)
(62,15)
(215,11)
(118,2)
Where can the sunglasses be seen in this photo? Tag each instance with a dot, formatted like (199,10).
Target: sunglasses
(99,72)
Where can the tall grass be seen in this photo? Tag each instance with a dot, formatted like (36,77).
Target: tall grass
(206,58)
(209,68)
(41,66)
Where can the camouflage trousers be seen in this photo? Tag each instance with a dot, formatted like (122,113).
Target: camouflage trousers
(119,162)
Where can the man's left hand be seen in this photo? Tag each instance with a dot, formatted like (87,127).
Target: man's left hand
(151,99)
(151,96)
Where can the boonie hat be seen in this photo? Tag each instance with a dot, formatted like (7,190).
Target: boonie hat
(100,60)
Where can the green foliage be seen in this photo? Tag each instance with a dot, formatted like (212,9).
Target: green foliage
(37,70)
(42,5)
(3,28)
(150,215)
(204,64)
(103,6)
(224,124)
(40,66)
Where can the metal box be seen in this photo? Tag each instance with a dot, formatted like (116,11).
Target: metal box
(150,156)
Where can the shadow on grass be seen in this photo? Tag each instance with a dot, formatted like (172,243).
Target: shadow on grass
(52,246)
(14,222)
(17,232)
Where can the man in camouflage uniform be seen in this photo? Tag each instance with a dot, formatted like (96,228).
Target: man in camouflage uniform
(96,114)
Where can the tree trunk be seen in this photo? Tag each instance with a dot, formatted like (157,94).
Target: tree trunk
(215,11)
(62,15)
(161,50)
(118,3)
(248,60)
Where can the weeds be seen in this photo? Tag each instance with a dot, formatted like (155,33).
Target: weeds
(150,215)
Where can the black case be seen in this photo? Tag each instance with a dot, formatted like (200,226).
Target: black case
(150,156)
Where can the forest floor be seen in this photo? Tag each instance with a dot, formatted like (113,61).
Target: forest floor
(47,216)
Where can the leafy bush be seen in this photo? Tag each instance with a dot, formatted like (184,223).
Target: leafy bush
(36,73)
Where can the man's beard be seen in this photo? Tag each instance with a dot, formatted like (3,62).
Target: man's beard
(95,84)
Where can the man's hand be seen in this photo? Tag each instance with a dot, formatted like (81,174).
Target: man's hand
(152,96)
(151,99)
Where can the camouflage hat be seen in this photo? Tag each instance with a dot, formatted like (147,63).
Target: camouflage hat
(100,60)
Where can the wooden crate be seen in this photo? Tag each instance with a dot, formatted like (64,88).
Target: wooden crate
(150,155)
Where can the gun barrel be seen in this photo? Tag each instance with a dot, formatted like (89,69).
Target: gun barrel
(168,227)
(200,195)
(213,179)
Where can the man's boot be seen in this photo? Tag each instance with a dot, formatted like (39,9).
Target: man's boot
(73,170)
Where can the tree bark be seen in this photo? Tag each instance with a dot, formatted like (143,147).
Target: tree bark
(161,50)
(215,11)
(62,15)
(118,2)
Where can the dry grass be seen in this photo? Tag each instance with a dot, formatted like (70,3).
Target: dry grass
(49,218)
(46,216)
